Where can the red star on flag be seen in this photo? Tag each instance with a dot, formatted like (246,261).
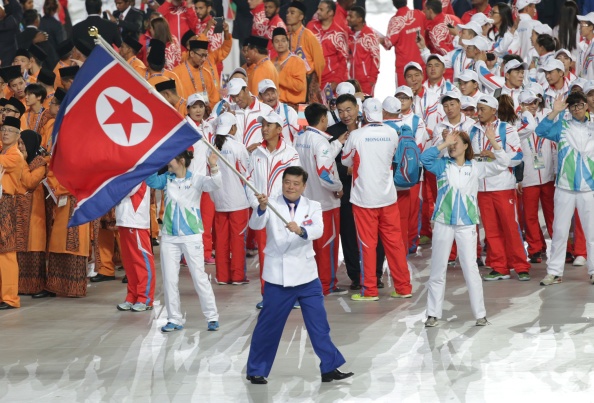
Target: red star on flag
(123,114)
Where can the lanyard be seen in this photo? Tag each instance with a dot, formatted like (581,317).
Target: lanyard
(282,65)
(192,78)
(539,142)
(37,121)
(481,138)
(587,58)
(259,64)
(298,39)
(146,75)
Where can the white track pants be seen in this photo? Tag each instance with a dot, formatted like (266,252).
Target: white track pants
(565,203)
(170,257)
(442,240)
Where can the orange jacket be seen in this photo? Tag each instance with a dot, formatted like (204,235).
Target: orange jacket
(305,45)
(292,79)
(262,70)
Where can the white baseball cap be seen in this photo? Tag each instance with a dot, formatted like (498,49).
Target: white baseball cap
(522,4)
(578,82)
(566,53)
(392,105)
(436,56)
(225,122)
(345,88)
(467,102)
(587,18)
(489,101)
(513,65)
(541,28)
(272,117)
(192,99)
(468,75)
(479,42)
(403,89)
(450,94)
(413,65)
(527,97)
(235,85)
(239,70)
(265,84)
(534,87)
(589,86)
(481,19)
(552,64)
(472,26)
(372,110)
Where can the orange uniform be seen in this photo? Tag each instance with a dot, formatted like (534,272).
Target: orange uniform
(34,121)
(12,160)
(46,134)
(137,65)
(197,80)
(48,99)
(155,78)
(30,182)
(264,69)
(181,107)
(60,65)
(215,59)
(291,77)
(304,44)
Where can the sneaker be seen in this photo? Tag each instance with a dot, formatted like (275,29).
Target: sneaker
(126,306)
(592,279)
(482,322)
(431,321)
(551,279)
(568,257)
(380,283)
(451,263)
(141,307)
(213,326)
(579,261)
(259,305)
(222,283)
(209,260)
(154,242)
(535,258)
(170,327)
(524,276)
(355,286)
(242,282)
(296,305)
(412,250)
(424,240)
(359,297)
(494,275)
(394,294)
(251,252)
(479,262)
(339,291)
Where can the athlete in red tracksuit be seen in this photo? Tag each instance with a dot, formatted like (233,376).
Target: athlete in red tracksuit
(364,53)
(133,221)
(180,17)
(402,35)
(317,155)
(497,197)
(231,205)
(369,151)
(335,45)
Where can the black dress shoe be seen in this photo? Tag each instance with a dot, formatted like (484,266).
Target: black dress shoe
(336,375)
(4,305)
(380,284)
(43,294)
(125,280)
(256,379)
(100,277)
(155,242)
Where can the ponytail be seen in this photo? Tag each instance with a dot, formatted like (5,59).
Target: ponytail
(219,141)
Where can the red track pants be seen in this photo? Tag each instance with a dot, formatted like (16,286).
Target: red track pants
(207,210)
(429,192)
(139,264)
(326,249)
(531,196)
(230,246)
(384,221)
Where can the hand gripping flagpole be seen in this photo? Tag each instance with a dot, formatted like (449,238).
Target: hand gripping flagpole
(94,32)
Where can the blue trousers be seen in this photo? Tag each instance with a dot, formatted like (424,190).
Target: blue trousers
(278,304)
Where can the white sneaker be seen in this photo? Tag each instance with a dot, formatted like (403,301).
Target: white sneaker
(482,322)
(125,306)
(579,261)
(551,279)
(431,321)
(91,270)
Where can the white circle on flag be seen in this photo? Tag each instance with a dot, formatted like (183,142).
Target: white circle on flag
(123,118)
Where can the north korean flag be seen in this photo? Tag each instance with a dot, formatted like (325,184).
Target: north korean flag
(112,132)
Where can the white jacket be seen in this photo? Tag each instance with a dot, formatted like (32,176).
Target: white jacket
(585,63)
(532,146)
(290,126)
(370,151)
(317,156)
(289,259)
(266,170)
(539,76)
(550,93)
(426,105)
(249,131)
(421,135)
(455,59)
(524,32)
(231,196)
(464,125)
(505,180)
(134,210)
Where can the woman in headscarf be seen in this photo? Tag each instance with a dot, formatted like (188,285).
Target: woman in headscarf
(31,230)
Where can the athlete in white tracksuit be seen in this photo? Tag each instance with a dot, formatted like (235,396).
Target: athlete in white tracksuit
(456,215)
(182,234)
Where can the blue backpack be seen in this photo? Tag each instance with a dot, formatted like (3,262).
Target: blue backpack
(406,164)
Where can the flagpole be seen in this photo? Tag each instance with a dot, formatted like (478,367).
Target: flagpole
(94,32)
